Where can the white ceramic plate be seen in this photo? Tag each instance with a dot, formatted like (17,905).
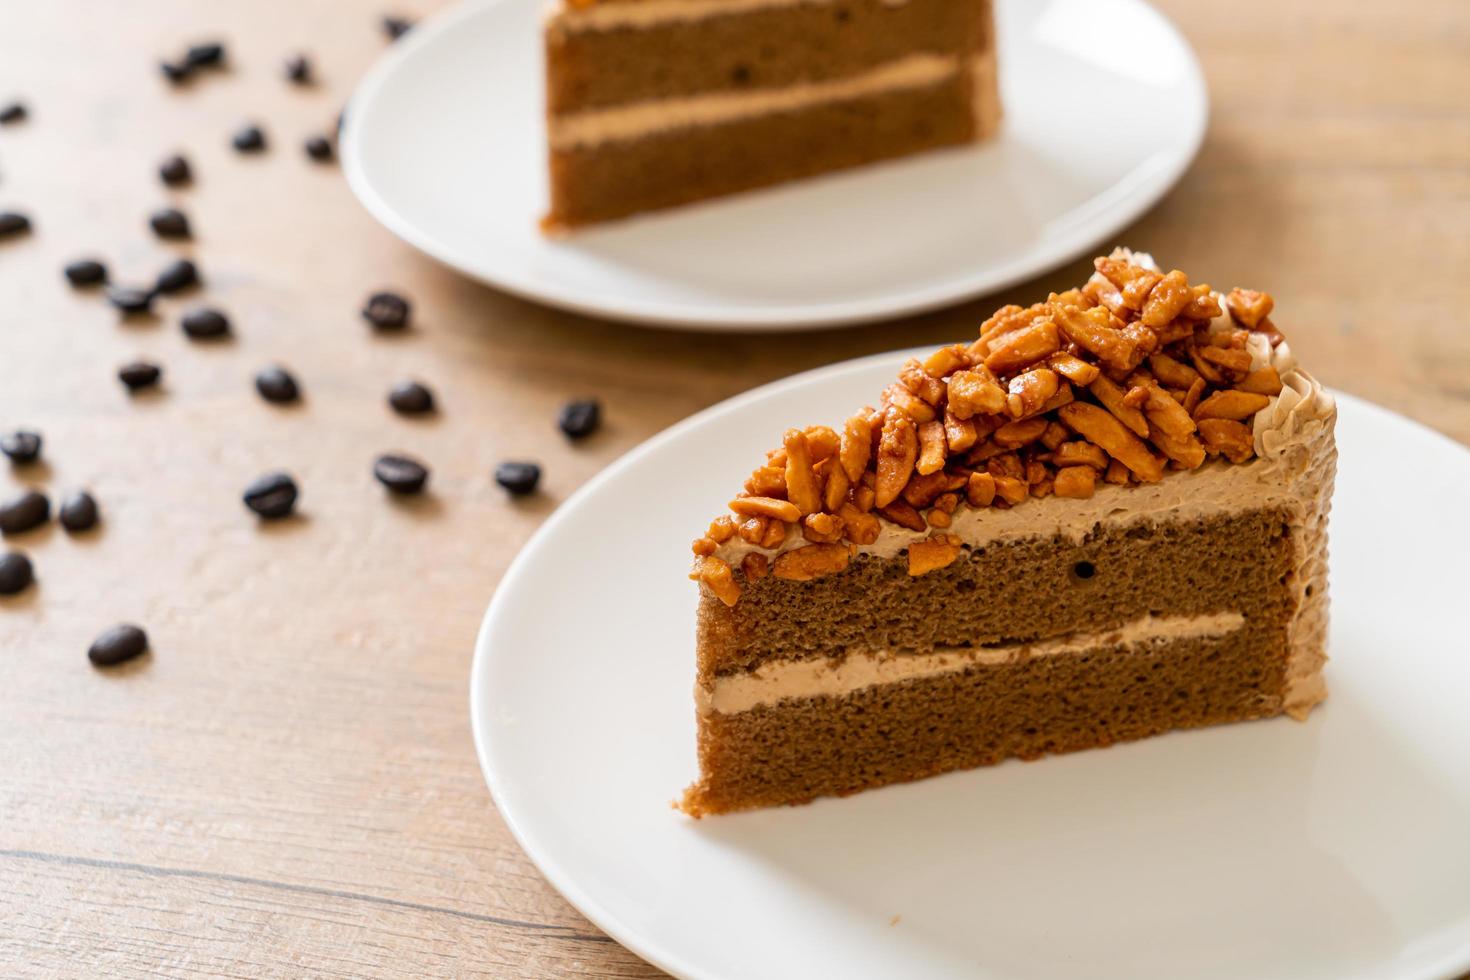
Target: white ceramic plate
(1337,848)
(1105,107)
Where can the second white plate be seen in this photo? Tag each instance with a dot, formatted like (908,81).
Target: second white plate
(1105,107)
(1329,850)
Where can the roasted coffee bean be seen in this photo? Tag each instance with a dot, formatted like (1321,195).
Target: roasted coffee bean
(175,171)
(139,374)
(177,72)
(78,512)
(169,223)
(16,573)
(85,272)
(22,445)
(208,55)
(396,27)
(177,276)
(117,645)
(28,510)
(130,301)
(319,148)
(13,223)
(248,139)
(400,474)
(276,384)
(272,496)
(206,323)
(298,70)
(518,478)
(411,398)
(580,418)
(12,112)
(386,311)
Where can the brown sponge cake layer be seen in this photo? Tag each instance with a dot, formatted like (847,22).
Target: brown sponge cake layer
(612,180)
(797,749)
(1010,591)
(767,47)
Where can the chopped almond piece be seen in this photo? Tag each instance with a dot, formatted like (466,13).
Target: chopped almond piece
(947,503)
(775,535)
(862,497)
(1054,435)
(810,561)
(721,529)
(1005,320)
(1112,398)
(924,488)
(1165,413)
(1031,390)
(1171,372)
(752,530)
(1228,358)
(821,442)
(1266,381)
(903,515)
(933,553)
(1249,307)
(897,452)
(1074,369)
(932,448)
(1166,300)
(1006,464)
(946,360)
(755,566)
(781,510)
(1023,348)
(1231,439)
(834,492)
(821,528)
(1133,281)
(1062,397)
(1191,397)
(1231,404)
(1080,452)
(860,528)
(768,481)
(705,546)
(856,446)
(917,380)
(715,574)
(959,434)
(1036,472)
(980,489)
(1075,481)
(1093,331)
(1204,306)
(1116,473)
(939,518)
(974,393)
(1010,489)
(1013,435)
(801,482)
(1135,397)
(1100,427)
(1183,449)
(910,404)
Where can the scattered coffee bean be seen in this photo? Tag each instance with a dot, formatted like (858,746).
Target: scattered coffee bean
(206,323)
(175,170)
(21,513)
(400,473)
(519,478)
(276,384)
(78,512)
(13,223)
(249,139)
(169,223)
(118,645)
(208,55)
(396,27)
(139,374)
(22,445)
(177,276)
(85,272)
(16,573)
(177,72)
(580,418)
(130,301)
(12,112)
(411,398)
(386,311)
(272,496)
(298,70)
(319,148)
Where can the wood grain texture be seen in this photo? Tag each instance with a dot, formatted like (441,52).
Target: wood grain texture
(287,786)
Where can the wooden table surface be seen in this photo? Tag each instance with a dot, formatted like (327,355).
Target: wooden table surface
(286,786)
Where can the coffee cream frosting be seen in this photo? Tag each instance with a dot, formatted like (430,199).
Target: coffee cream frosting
(780,679)
(592,127)
(1292,471)
(654,13)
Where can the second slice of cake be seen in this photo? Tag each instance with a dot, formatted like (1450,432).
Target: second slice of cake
(653,103)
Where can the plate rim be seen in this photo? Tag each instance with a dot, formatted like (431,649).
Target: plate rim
(596,912)
(787,317)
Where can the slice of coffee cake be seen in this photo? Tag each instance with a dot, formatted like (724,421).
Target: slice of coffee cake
(653,103)
(1104,519)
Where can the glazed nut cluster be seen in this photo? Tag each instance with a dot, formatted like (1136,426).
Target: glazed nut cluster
(1135,373)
